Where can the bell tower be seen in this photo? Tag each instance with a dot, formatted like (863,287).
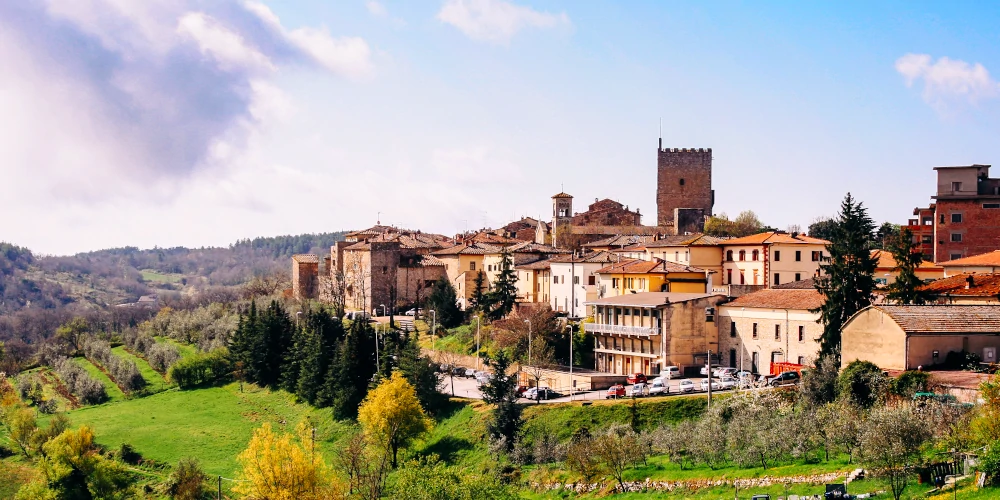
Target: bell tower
(562,215)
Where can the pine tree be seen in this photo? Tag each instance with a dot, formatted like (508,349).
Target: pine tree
(504,294)
(276,330)
(347,384)
(480,298)
(848,276)
(444,300)
(320,339)
(243,341)
(906,288)
(505,426)
(420,371)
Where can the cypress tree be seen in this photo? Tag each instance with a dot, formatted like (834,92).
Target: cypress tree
(479,299)
(848,275)
(444,300)
(906,288)
(350,376)
(271,349)
(504,293)
(505,425)
(243,341)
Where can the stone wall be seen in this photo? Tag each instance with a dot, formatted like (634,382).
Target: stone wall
(684,180)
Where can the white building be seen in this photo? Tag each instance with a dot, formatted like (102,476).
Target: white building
(574,282)
(772,258)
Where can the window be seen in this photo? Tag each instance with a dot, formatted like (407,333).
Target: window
(591,280)
(802,333)
(802,360)
(777,279)
(614,282)
(956,218)
(956,237)
(755,330)
(729,255)
(929,221)
(991,205)
(926,239)
(955,256)
(798,276)
(743,255)
(816,256)
(777,255)
(472,266)
(956,186)
(729,276)
(777,332)
(677,256)
(576,280)
(682,182)
(743,278)
(798,255)
(732,329)
(756,255)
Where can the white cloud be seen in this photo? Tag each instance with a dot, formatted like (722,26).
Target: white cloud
(227,47)
(496,21)
(946,80)
(375,8)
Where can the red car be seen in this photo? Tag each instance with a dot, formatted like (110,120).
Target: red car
(637,378)
(615,391)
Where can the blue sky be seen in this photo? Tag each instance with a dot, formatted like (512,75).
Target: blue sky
(197,123)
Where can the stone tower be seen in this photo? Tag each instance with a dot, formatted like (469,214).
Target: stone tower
(562,215)
(683,181)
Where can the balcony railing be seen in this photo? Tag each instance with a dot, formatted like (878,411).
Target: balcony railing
(619,329)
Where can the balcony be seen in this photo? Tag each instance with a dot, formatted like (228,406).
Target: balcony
(619,329)
(625,352)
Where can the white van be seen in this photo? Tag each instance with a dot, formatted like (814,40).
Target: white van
(670,372)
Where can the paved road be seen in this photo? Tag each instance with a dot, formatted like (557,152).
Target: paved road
(468,388)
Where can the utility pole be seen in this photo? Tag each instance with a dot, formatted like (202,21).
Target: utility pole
(478,321)
(528,321)
(572,383)
(708,368)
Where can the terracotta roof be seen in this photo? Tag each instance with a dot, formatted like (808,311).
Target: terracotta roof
(619,240)
(305,258)
(984,259)
(772,237)
(806,284)
(534,266)
(685,240)
(590,258)
(464,249)
(982,285)
(650,299)
(430,260)
(562,195)
(778,298)
(532,247)
(887,261)
(944,319)
(635,266)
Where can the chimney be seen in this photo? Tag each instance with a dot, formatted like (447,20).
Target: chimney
(970,282)
(795,234)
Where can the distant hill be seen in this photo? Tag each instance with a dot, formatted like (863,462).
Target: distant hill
(119,275)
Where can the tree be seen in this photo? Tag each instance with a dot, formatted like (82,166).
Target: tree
(187,481)
(444,300)
(822,228)
(745,224)
(421,372)
(891,443)
(885,234)
(758,428)
(618,450)
(847,281)
(392,416)
(846,427)
(819,385)
(480,298)
(862,383)
(282,467)
(906,288)
(73,332)
(504,293)
(505,425)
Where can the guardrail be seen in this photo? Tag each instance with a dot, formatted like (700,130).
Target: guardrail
(619,329)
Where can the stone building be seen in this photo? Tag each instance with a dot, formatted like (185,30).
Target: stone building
(684,188)
(607,212)
(305,276)
(645,332)
(770,326)
(907,337)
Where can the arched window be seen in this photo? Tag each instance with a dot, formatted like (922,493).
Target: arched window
(743,255)
(756,255)
(729,255)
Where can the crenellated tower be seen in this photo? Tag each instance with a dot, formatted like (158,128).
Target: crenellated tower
(684,182)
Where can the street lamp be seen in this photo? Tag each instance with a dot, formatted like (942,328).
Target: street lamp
(528,321)
(297,316)
(383,308)
(477,342)
(572,383)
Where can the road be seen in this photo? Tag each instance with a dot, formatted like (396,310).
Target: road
(468,388)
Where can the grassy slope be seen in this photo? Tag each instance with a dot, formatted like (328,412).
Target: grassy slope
(185,350)
(212,424)
(562,419)
(153,276)
(114,393)
(48,390)
(155,382)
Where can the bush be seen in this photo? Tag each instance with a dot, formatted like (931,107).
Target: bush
(187,481)
(989,464)
(124,372)
(79,382)
(909,383)
(162,356)
(862,383)
(200,369)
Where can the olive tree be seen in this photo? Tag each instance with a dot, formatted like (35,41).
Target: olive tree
(891,440)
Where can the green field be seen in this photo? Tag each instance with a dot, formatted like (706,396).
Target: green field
(155,277)
(154,381)
(184,349)
(114,393)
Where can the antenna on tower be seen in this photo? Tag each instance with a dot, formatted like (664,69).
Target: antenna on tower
(661,134)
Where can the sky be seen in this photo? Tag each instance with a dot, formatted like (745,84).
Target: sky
(198,123)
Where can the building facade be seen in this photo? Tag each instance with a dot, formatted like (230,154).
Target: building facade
(772,258)
(640,276)
(574,281)
(305,276)
(646,332)
(683,181)
(770,326)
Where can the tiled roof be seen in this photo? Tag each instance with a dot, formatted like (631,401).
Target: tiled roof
(944,319)
(620,240)
(777,298)
(887,261)
(634,266)
(532,247)
(376,229)
(590,258)
(984,259)
(772,237)
(464,249)
(534,266)
(685,240)
(982,285)
(305,258)
(430,260)
(651,299)
(562,195)
(806,284)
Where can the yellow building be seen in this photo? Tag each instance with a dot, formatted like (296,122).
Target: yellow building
(695,250)
(908,337)
(637,276)
(886,272)
(462,264)
(645,332)
(533,283)
(772,258)
(982,263)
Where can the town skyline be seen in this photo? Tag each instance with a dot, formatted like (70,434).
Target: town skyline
(199,124)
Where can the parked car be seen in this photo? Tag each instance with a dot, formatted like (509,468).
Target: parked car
(725,372)
(638,390)
(704,369)
(726,383)
(715,384)
(414,312)
(615,391)
(358,315)
(785,378)
(482,378)
(458,371)
(671,372)
(470,372)
(658,387)
(636,378)
(521,390)
(685,385)
(540,393)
